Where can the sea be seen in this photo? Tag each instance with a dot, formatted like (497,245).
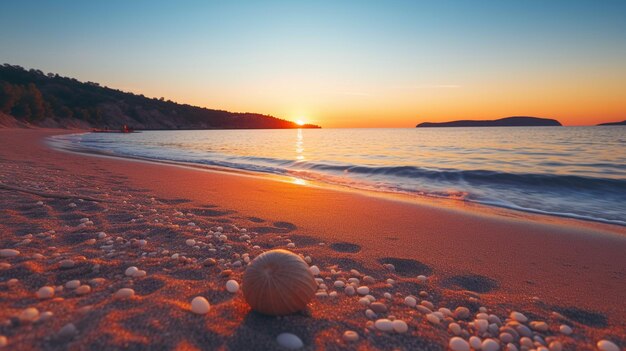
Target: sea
(577,172)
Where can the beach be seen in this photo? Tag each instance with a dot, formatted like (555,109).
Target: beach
(67,216)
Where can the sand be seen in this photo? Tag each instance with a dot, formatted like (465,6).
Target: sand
(472,256)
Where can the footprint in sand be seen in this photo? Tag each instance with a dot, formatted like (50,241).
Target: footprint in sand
(407,267)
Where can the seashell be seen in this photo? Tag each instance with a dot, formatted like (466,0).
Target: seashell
(278,282)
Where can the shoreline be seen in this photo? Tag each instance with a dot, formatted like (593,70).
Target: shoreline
(505,259)
(424,200)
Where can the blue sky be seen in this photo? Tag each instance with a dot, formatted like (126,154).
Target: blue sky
(338,62)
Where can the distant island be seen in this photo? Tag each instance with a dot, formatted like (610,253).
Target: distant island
(33,98)
(515,121)
(622,123)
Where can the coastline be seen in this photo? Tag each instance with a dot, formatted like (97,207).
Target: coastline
(508,256)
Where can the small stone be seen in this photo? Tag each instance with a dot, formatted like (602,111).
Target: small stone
(400,326)
(29,315)
(45,292)
(475,342)
(422,278)
(350,336)
(68,331)
(349,290)
(555,346)
(518,316)
(539,326)
(363,290)
(232,286)
(67,264)
(410,301)
(432,318)
(461,313)
(72,284)
(489,345)
(125,293)
(458,344)
(9,253)
(565,329)
(455,328)
(315,271)
(190,242)
(384,325)
(289,341)
(378,307)
(3,341)
(83,290)
(339,284)
(200,305)
(606,345)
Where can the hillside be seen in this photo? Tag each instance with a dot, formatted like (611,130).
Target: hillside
(515,121)
(30,97)
(622,123)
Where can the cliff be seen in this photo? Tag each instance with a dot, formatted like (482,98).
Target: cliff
(32,98)
(516,121)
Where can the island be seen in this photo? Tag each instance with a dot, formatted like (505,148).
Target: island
(34,98)
(622,123)
(515,121)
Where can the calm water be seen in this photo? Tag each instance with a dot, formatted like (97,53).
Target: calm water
(572,171)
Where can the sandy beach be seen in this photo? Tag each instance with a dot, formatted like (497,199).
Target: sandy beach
(66,217)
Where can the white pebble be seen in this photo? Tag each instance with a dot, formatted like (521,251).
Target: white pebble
(458,344)
(350,336)
(200,305)
(433,318)
(125,293)
(410,301)
(339,284)
(72,284)
(349,290)
(190,242)
(83,290)
(520,317)
(400,326)
(9,253)
(384,324)
(565,329)
(29,315)
(315,271)
(45,292)
(606,345)
(289,341)
(232,286)
(475,342)
(489,345)
(363,290)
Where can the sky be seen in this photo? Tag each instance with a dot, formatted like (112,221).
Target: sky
(339,63)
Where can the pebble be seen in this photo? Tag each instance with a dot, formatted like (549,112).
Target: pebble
(67,264)
(410,301)
(315,271)
(565,329)
(433,318)
(9,253)
(289,341)
(400,326)
(455,328)
(72,284)
(232,286)
(350,336)
(384,324)
(83,290)
(29,315)
(489,345)
(378,307)
(339,284)
(539,326)
(45,292)
(458,344)
(363,290)
(475,342)
(518,316)
(68,331)
(200,305)
(555,346)
(461,313)
(349,290)
(125,293)
(606,345)
(190,242)
(3,341)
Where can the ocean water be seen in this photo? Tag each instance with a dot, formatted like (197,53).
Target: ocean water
(566,171)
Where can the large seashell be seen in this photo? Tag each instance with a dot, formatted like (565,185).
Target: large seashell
(278,282)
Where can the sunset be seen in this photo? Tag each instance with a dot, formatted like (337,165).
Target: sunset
(328,175)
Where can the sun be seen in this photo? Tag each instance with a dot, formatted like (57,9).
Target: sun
(300,122)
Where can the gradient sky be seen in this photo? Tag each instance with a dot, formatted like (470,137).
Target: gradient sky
(339,63)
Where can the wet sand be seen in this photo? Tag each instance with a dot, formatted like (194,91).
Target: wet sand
(471,255)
